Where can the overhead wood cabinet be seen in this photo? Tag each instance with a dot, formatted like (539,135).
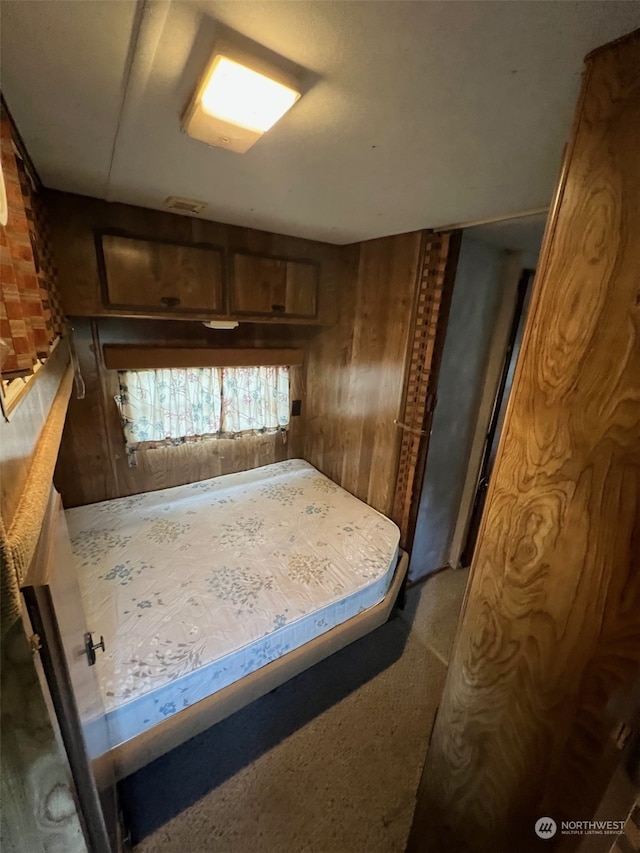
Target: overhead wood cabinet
(154,275)
(117,260)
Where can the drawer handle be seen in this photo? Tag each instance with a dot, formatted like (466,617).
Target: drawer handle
(277,307)
(170,301)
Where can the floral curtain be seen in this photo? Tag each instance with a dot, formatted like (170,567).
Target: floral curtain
(254,398)
(172,406)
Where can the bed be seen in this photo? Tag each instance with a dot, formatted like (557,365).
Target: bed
(210,594)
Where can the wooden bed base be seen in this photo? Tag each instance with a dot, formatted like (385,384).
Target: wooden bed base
(162,738)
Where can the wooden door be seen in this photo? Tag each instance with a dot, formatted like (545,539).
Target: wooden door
(54,604)
(155,276)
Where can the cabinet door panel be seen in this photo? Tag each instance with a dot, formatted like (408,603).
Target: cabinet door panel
(302,288)
(273,286)
(259,285)
(149,275)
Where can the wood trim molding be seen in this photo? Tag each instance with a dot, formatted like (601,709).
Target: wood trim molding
(153,358)
(429,323)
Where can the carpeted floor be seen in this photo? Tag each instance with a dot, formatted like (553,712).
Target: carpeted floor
(327,763)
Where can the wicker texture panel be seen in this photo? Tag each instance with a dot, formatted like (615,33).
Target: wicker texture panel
(420,391)
(30,315)
(20,291)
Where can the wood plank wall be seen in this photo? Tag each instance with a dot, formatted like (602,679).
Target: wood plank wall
(350,384)
(550,635)
(356,370)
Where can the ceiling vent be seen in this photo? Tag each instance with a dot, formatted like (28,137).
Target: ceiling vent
(184,205)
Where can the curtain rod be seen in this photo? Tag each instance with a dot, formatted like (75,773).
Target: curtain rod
(535,211)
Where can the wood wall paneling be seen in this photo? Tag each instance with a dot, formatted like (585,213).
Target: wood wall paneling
(550,629)
(350,383)
(355,369)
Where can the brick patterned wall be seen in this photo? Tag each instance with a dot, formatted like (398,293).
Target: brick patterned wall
(30,314)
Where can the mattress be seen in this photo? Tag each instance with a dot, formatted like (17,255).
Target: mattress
(196,586)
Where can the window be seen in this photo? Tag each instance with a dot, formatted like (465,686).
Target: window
(173,406)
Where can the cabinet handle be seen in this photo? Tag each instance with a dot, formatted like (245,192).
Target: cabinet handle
(277,307)
(170,301)
(90,648)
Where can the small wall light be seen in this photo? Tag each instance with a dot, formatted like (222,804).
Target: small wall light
(222,325)
(237,101)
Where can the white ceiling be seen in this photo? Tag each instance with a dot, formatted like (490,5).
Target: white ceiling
(518,235)
(421,114)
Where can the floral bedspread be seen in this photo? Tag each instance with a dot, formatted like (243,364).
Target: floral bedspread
(180,578)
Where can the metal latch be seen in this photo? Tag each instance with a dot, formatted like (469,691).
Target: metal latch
(90,647)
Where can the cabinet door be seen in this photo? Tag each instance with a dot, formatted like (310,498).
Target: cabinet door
(259,285)
(151,276)
(302,289)
(273,286)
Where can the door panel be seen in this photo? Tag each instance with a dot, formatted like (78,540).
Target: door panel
(301,289)
(259,285)
(158,276)
(54,604)
(273,286)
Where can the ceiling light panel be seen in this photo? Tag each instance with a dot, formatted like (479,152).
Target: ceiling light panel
(237,102)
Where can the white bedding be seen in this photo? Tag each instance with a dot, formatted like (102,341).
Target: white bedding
(196,586)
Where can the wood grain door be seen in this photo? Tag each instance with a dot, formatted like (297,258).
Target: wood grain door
(301,289)
(259,285)
(54,605)
(154,276)
(273,286)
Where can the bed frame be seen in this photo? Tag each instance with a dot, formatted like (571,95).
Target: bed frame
(165,736)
